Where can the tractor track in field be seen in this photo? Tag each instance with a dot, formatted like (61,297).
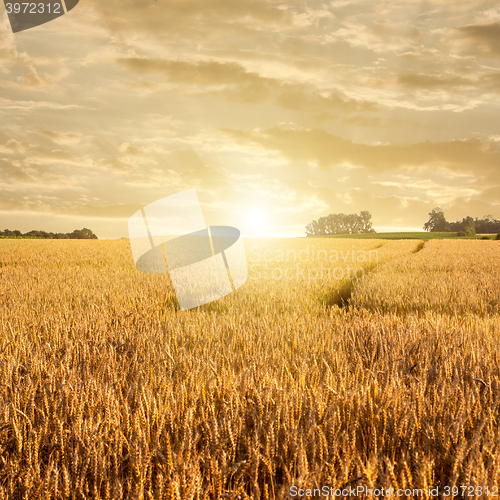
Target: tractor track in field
(341,296)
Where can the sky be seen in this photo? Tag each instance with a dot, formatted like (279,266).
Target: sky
(276,112)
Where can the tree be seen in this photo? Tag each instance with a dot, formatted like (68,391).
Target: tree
(487,225)
(341,224)
(80,234)
(83,234)
(367,224)
(469,226)
(89,234)
(465,227)
(437,221)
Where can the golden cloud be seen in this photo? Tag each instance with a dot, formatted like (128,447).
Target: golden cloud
(428,81)
(245,86)
(62,138)
(480,156)
(483,39)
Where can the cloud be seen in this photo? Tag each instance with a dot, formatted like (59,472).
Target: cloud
(426,81)
(192,17)
(8,51)
(23,67)
(34,105)
(298,98)
(481,157)
(13,173)
(378,36)
(206,176)
(202,73)
(62,138)
(40,203)
(10,204)
(245,86)
(39,155)
(12,147)
(482,39)
(32,79)
(104,210)
(131,149)
(116,165)
(363,121)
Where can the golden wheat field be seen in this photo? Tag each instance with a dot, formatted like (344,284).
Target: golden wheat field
(355,364)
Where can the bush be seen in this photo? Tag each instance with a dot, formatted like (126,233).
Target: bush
(469,232)
(497,237)
(485,237)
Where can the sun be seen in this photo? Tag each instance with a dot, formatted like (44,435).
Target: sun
(256,221)
(255,217)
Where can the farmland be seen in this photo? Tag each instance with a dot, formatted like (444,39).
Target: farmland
(340,362)
(408,235)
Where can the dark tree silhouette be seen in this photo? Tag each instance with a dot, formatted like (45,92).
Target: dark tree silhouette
(467,226)
(341,224)
(77,234)
(437,221)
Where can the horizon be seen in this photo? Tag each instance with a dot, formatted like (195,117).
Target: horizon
(384,231)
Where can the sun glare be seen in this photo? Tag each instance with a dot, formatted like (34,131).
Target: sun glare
(256,217)
(256,221)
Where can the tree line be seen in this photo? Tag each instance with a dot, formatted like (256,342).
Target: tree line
(468,226)
(341,224)
(77,234)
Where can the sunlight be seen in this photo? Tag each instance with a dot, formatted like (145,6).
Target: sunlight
(256,218)
(256,222)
